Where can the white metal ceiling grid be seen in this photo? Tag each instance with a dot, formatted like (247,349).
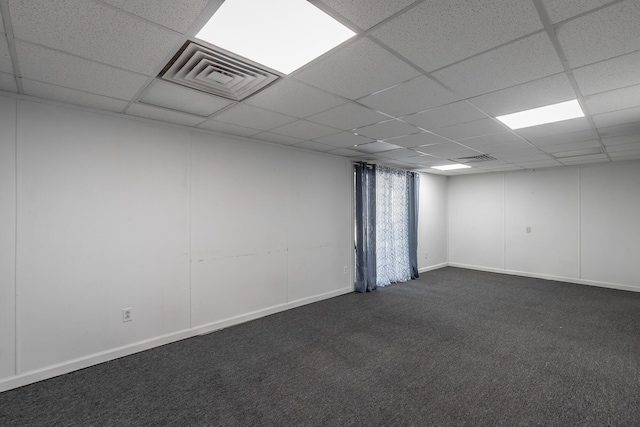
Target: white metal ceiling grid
(420,83)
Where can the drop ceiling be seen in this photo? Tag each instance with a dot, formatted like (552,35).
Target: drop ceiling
(418,86)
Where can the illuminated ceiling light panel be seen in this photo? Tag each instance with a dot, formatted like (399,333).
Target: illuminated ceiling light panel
(280,34)
(451,167)
(543,115)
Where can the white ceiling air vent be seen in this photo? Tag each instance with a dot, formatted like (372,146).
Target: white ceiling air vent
(474,159)
(214,72)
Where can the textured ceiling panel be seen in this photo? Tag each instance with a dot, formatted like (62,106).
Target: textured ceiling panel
(177,15)
(618,99)
(606,33)
(358,69)
(559,10)
(344,140)
(77,73)
(367,13)
(458,112)
(545,91)
(388,129)
(5,58)
(436,34)
(295,99)
(305,130)
(418,94)
(94,31)
(516,63)
(180,98)
(610,74)
(348,116)
(47,91)
(252,117)
(163,115)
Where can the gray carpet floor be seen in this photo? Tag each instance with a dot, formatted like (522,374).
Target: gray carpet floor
(453,348)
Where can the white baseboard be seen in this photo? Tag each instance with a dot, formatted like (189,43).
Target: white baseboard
(432,267)
(550,277)
(105,356)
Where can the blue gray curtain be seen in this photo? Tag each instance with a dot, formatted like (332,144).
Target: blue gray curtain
(413,190)
(386,204)
(365,236)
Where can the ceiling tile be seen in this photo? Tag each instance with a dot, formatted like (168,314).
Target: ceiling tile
(277,139)
(346,152)
(348,116)
(559,10)
(76,73)
(417,140)
(228,128)
(620,117)
(436,34)
(252,117)
(344,140)
(623,139)
(95,31)
(606,33)
(413,96)
(575,153)
(5,57)
(545,163)
(367,13)
(538,93)
(294,99)
(491,139)
(525,155)
(554,129)
(619,148)
(500,147)
(356,70)
(447,150)
(8,83)
(458,112)
(305,130)
(613,100)
(470,129)
(563,138)
(610,74)
(583,160)
(172,14)
(176,97)
(620,130)
(625,155)
(314,146)
(388,129)
(519,62)
(46,91)
(163,115)
(401,154)
(571,146)
(376,147)
(1,24)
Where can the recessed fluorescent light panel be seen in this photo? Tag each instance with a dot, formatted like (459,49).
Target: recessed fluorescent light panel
(543,115)
(281,34)
(451,167)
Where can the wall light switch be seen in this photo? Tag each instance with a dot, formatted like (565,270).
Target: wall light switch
(528,229)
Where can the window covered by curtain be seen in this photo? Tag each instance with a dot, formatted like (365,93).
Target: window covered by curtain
(386,208)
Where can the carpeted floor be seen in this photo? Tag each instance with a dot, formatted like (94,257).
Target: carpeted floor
(455,347)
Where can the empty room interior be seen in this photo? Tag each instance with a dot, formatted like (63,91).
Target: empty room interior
(160,185)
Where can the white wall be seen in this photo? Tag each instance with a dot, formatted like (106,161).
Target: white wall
(432,222)
(192,230)
(610,218)
(7,235)
(583,219)
(476,220)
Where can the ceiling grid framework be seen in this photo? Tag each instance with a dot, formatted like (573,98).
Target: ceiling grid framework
(418,86)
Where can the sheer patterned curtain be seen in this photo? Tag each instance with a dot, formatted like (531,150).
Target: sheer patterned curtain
(392,226)
(386,235)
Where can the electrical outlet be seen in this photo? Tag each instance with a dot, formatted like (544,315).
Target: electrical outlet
(127,314)
(425,255)
(345,270)
(528,229)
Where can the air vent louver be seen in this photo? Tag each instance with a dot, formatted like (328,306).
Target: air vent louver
(474,159)
(217,73)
